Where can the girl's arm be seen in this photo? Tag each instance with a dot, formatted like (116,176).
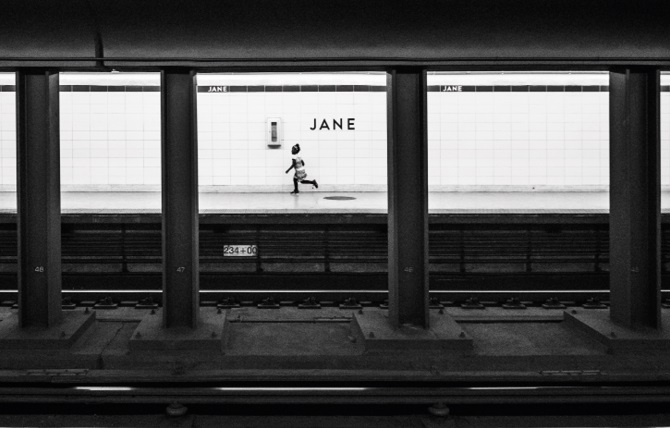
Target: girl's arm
(291,167)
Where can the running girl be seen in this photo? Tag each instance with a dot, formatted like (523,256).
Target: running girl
(300,173)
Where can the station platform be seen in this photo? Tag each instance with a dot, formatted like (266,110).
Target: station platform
(325,202)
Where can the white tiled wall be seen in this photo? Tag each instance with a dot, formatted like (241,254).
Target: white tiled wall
(110,140)
(484,139)
(7,135)
(524,139)
(232,143)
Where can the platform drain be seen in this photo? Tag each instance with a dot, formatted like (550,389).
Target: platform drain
(340,198)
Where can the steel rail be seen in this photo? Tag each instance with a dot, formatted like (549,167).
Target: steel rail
(376,296)
(336,395)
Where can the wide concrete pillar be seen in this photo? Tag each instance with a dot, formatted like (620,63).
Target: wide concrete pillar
(180,199)
(635,197)
(407,197)
(38,193)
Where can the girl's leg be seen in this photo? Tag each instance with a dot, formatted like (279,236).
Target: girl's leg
(295,186)
(312,182)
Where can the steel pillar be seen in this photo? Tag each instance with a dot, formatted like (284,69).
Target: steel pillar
(407,197)
(38,193)
(180,199)
(635,192)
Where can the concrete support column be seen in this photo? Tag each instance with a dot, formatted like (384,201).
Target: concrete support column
(635,192)
(38,182)
(407,197)
(180,199)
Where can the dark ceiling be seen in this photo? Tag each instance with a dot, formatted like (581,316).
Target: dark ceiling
(133,31)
